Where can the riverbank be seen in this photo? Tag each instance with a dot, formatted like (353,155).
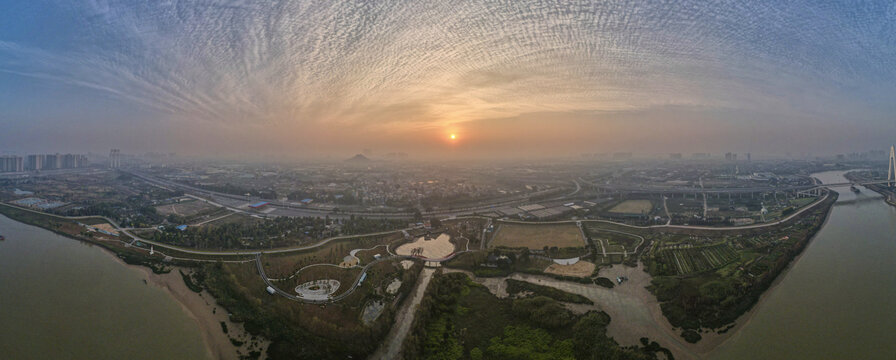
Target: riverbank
(717,340)
(829,303)
(204,310)
(201,307)
(635,312)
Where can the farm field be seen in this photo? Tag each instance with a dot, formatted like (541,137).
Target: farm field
(633,207)
(685,259)
(538,236)
(184,208)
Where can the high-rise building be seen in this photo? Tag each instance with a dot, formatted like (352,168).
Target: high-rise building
(11,163)
(73,161)
(115,158)
(52,161)
(34,162)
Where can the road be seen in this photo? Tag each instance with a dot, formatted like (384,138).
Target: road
(204,252)
(666,209)
(640,189)
(692,227)
(325,241)
(404,318)
(312,211)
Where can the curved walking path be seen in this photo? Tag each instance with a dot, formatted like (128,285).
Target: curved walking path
(205,252)
(623,233)
(290,296)
(357,281)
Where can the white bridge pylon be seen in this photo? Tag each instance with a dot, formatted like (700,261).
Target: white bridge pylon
(891,171)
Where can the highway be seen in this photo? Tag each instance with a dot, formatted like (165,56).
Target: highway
(302,210)
(639,189)
(325,241)
(666,226)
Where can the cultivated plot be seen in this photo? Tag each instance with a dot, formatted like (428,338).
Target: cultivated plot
(633,207)
(538,236)
(184,208)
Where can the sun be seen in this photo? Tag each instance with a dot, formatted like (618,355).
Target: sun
(453,136)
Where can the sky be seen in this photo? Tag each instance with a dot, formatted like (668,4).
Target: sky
(301,79)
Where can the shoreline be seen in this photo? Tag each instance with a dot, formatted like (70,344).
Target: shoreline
(204,310)
(202,307)
(748,316)
(627,326)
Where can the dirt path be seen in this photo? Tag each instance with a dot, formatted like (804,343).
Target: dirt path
(391,346)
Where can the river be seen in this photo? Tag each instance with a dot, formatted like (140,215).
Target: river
(838,300)
(64,299)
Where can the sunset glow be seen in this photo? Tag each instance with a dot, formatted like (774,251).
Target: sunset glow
(532,78)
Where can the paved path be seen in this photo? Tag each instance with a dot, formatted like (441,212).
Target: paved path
(712,228)
(325,241)
(666,208)
(392,345)
(215,219)
(205,252)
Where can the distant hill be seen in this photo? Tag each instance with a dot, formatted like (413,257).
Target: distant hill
(358,159)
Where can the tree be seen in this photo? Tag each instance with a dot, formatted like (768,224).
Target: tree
(418,215)
(523,342)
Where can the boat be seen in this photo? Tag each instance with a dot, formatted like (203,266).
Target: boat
(855,189)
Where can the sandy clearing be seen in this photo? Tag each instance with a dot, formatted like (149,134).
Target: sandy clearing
(579,269)
(437,248)
(106,227)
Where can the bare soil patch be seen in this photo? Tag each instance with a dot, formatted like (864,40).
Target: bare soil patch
(579,269)
(538,236)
